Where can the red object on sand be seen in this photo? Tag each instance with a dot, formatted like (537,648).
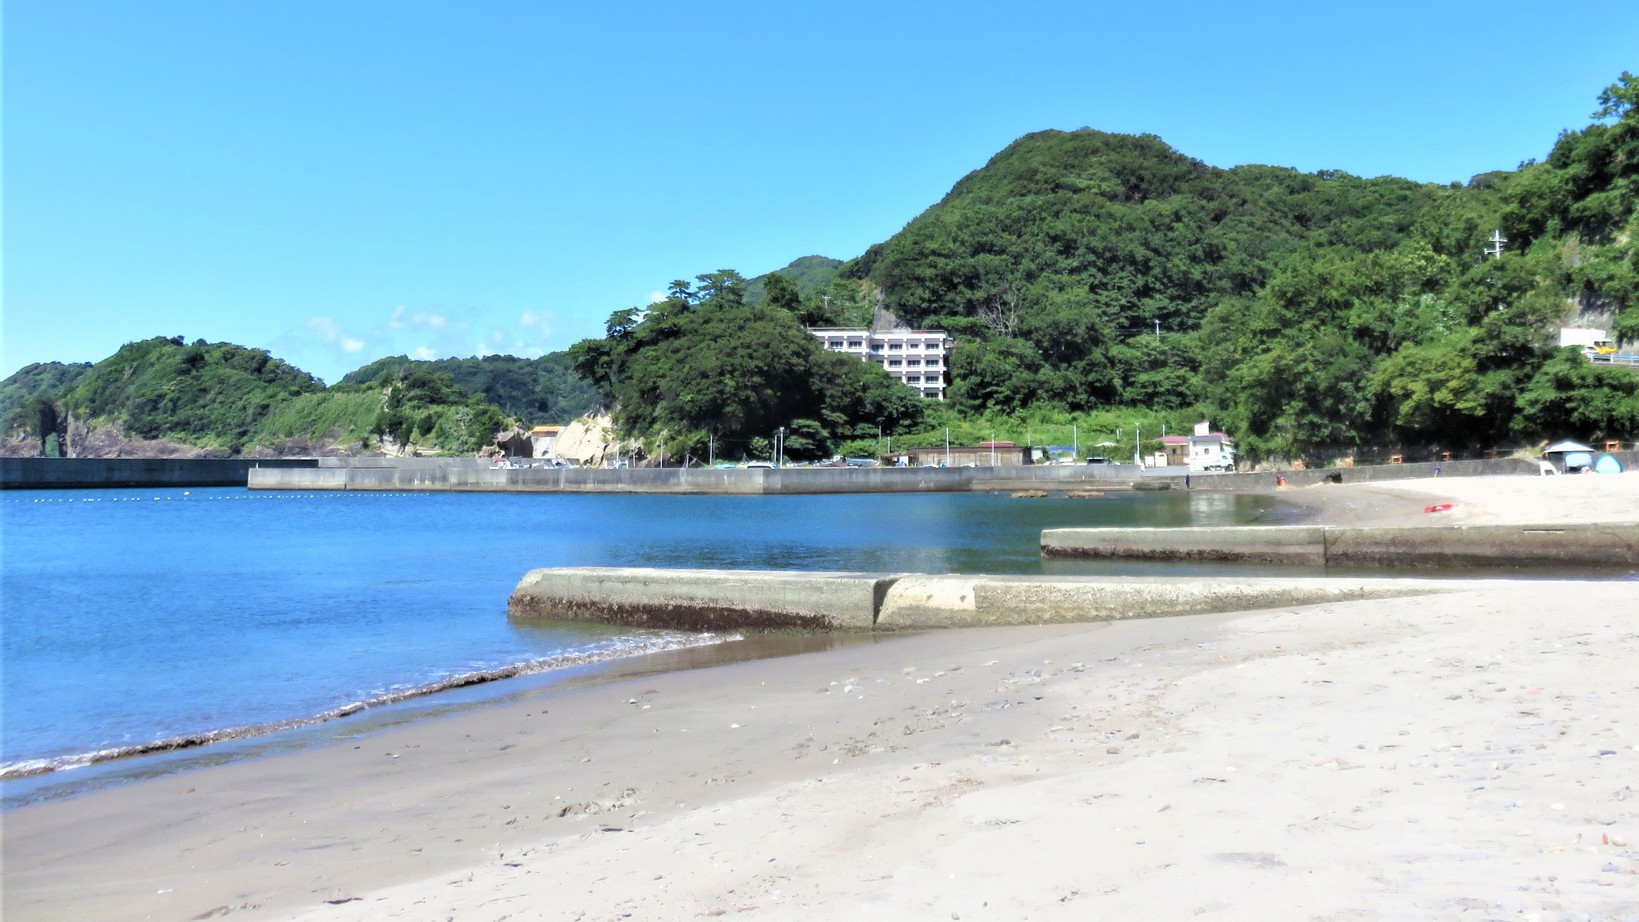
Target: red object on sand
(1438,507)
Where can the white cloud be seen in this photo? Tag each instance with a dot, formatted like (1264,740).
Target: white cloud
(327,328)
(655,297)
(332,346)
(334,333)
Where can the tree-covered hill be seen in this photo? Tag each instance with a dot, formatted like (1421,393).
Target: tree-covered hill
(812,276)
(706,372)
(1082,270)
(165,395)
(35,390)
(207,394)
(537,391)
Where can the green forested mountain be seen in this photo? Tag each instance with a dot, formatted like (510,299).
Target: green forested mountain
(706,371)
(1076,266)
(227,399)
(811,275)
(542,390)
(208,394)
(1083,269)
(1083,274)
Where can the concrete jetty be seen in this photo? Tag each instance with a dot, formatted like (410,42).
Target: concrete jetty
(702,600)
(826,601)
(1589,544)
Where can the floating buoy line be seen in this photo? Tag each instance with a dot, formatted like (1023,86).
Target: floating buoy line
(187,495)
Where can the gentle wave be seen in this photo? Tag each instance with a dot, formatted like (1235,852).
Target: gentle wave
(641,647)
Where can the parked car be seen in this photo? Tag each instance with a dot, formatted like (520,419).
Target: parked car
(1096,459)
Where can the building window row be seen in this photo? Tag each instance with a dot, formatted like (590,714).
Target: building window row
(888,348)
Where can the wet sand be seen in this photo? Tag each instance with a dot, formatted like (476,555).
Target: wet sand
(1464,755)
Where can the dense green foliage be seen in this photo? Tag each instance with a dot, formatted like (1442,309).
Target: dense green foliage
(208,394)
(31,398)
(706,371)
(810,275)
(339,415)
(543,390)
(226,398)
(422,405)
(1084,270)
(1090,279)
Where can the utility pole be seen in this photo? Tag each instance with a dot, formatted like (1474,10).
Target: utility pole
(1157,331)
(1497,240)
(711,449)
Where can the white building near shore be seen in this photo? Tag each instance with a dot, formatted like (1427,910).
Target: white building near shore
(916,358)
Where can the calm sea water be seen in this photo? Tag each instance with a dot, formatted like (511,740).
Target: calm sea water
(136,616)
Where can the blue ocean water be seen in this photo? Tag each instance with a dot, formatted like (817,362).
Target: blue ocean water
(131,616)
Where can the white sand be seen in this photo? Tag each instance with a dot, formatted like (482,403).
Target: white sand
(1463,756)
(1475,500)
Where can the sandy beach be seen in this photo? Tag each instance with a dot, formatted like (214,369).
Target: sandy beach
(1463,755)
(1473,500)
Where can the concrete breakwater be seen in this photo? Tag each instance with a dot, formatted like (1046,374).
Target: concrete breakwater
(748,481)
(758,599)
(472,475)
(1591,544)
(92,473)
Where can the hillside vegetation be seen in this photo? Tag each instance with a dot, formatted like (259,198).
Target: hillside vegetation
(705,373)
(163,395)
(543,390)
(1086,276)
(1084,270)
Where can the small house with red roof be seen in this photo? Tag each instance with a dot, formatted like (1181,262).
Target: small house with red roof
(1177,449)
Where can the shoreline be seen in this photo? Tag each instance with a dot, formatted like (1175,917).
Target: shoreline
(209,742)
(80,774)
(12,772)
(1417,757)
(1333,757)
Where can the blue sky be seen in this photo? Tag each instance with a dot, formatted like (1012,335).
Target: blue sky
(342,180)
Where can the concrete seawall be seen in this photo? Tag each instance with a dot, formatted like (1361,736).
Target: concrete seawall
(734,600)
(756,481)
(457,474)
(82,473)
(1593,544)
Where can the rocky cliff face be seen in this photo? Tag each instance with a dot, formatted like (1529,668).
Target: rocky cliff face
(589,441)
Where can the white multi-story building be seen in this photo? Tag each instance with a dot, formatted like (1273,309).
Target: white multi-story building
(918,358)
